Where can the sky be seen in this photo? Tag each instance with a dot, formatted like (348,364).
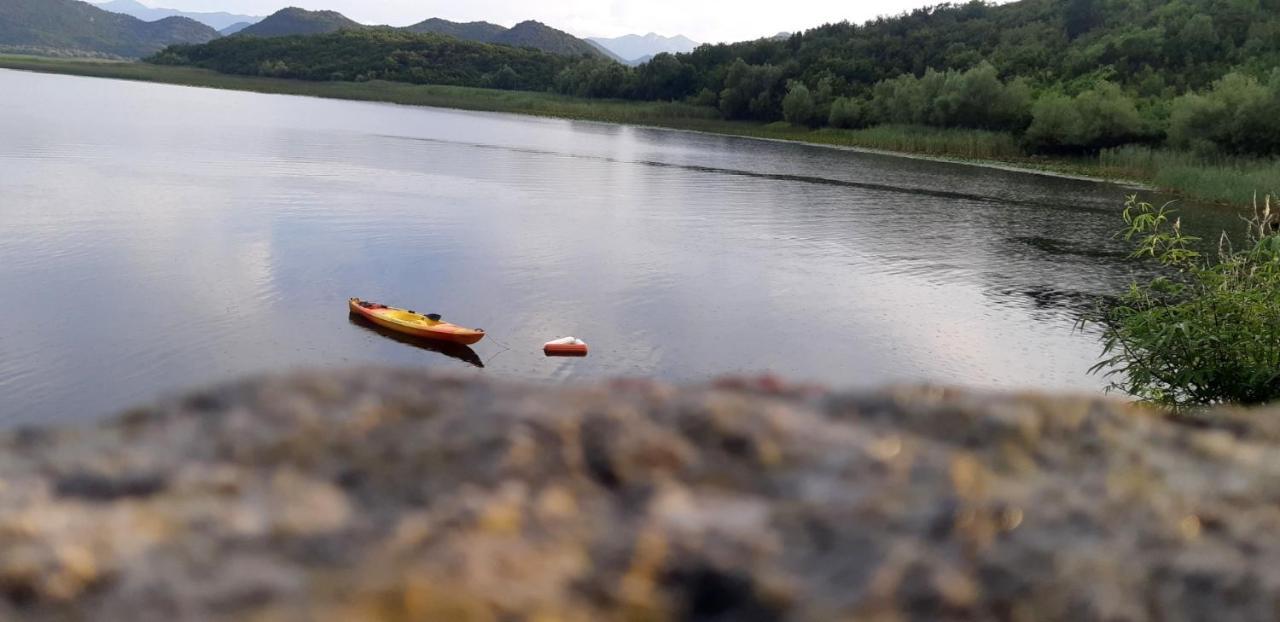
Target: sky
(706,21)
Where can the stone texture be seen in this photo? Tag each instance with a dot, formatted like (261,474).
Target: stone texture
(382,494)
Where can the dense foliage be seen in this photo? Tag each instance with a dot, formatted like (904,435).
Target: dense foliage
(68,27)
(374,54)
(1075,75)
(1207,333)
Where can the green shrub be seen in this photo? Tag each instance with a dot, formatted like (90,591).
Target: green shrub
(798,107)
(847,113)
(1207,332)
(1100,117)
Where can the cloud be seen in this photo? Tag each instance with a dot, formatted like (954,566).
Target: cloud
(703,20)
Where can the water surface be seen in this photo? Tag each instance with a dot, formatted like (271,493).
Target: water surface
(155,238)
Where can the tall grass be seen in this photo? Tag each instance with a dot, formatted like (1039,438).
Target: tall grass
(1220,179)
(956,143)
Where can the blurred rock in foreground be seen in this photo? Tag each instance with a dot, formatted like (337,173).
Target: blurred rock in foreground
(396,495)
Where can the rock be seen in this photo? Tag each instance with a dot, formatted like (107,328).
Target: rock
(398,495)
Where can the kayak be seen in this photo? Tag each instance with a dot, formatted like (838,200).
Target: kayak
(413,323)
(447,348)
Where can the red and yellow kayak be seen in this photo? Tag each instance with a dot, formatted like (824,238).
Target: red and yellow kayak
(412,323)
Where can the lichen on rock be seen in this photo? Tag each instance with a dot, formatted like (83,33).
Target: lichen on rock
(402,495)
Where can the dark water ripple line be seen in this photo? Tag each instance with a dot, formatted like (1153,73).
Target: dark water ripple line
(806,179)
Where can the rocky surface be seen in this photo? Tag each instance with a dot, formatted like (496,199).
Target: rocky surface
(381,494)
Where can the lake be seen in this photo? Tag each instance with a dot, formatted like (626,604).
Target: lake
(156,238)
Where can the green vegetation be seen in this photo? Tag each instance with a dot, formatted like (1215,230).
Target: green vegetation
(1064,75)
(71,28)
(295,21)
(1205,333)
(374,54)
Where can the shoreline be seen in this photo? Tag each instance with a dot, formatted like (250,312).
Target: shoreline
(651,115)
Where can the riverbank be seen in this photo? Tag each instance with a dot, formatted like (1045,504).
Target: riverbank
(1227,181)
(399,495)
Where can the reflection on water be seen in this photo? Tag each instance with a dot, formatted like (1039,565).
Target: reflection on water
(452,350)
(158,237)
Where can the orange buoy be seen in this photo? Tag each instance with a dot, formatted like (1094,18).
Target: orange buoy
(569,346)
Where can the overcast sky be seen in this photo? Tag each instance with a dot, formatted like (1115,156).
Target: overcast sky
(706,21)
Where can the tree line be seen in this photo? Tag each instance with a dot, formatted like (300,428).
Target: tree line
(1066,75)
(1063,75)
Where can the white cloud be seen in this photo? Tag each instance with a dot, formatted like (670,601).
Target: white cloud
(703,20)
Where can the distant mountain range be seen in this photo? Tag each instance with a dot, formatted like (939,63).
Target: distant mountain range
(234,28)
(531,34)
(73,27)
(127,28)
(636,49)
(217,21)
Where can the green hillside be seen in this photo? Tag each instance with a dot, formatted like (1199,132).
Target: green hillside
(1063,75)
(528,34)
(374,53)
(484,32)
(69,27)
(295,21)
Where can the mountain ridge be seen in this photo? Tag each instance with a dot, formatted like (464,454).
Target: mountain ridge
(218,20)
(295,21)
(635,49)
(71,27)
(528,34)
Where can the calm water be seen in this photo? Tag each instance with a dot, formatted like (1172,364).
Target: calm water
(153,238)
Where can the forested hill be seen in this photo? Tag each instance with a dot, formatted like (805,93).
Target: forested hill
(484,32)
(529,34)
(375,53)
(295,21)
(78,28)
(1066,74)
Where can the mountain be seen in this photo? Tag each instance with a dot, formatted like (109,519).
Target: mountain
(607,52)
(540,36)
(528,34)
(216,21)
(377,53)
(295,21)
(234,28)
(637,47)
(484,32)
(70,26)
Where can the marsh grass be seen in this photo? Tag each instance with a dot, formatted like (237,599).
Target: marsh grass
(1220,179)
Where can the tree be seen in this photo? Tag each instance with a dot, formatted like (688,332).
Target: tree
(847,113)
(1238,115)
(798,107)
(1100,117)
(505,78)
